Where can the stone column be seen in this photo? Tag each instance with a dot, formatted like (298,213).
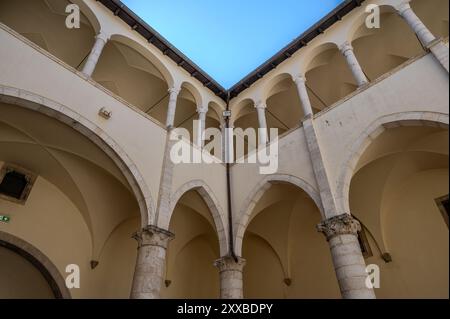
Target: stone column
(92,60)
(428,40)
(171,109)
(352,61)
(406,12)
(300,81)
(231,284)
(263,135)
(201,125)
(149,273)
(342,235)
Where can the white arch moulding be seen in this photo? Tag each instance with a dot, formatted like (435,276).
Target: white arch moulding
(40,261)
(360,145)
(95,134)
(257,193)
(211,201)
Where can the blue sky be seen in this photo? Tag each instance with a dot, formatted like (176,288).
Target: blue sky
(230,38)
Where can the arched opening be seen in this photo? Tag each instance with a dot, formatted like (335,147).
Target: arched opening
(26,273)
(380,50)
(214,120)
(127,73)
(395,191)
(328,76)
(80,207)
(44,23)
(286,256)
(284,110)
(190,271)
(186,113)
(246,118)
(434,14)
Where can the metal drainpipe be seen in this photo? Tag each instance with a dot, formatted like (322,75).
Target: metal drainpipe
(231,252)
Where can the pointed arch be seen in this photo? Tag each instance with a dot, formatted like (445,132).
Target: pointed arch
(40,261)
(211,201)
(258,191)
(92,132)
(422,118)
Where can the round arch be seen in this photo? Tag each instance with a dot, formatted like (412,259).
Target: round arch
(195,93)
(211,201)
(90,15)
(40,261)
(307,62)
(371,133)
(360,20)
(160,66)
(257,193)
(239,107)
(271,84)
(95,134)
(216,111)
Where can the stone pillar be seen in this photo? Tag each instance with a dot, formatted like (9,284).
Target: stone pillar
(300,81)
(92,60)
(231,284)
(201,125)
(428,40)
(149,273)
(406,12)
(352,61)
(319,167)
(171,109)
(263,135)
(342,235)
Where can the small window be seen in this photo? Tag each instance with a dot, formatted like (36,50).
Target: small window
(443,204)
(15,183)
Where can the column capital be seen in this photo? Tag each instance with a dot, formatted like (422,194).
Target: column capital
(299,79)
(402,7)
(346,46)
(202,109)
(228,263)
(339,225)
(103,36)
(174,90)
(153,236)
(260,105)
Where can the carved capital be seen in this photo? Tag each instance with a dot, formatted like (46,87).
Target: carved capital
(174,91)
(339,225)
(300,80)
(103,37)
(346,46)
(260,105)
(228,263)
(202,109)
(153,236)
(403,7)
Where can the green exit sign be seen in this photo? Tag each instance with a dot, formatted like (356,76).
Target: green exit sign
(5,219)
